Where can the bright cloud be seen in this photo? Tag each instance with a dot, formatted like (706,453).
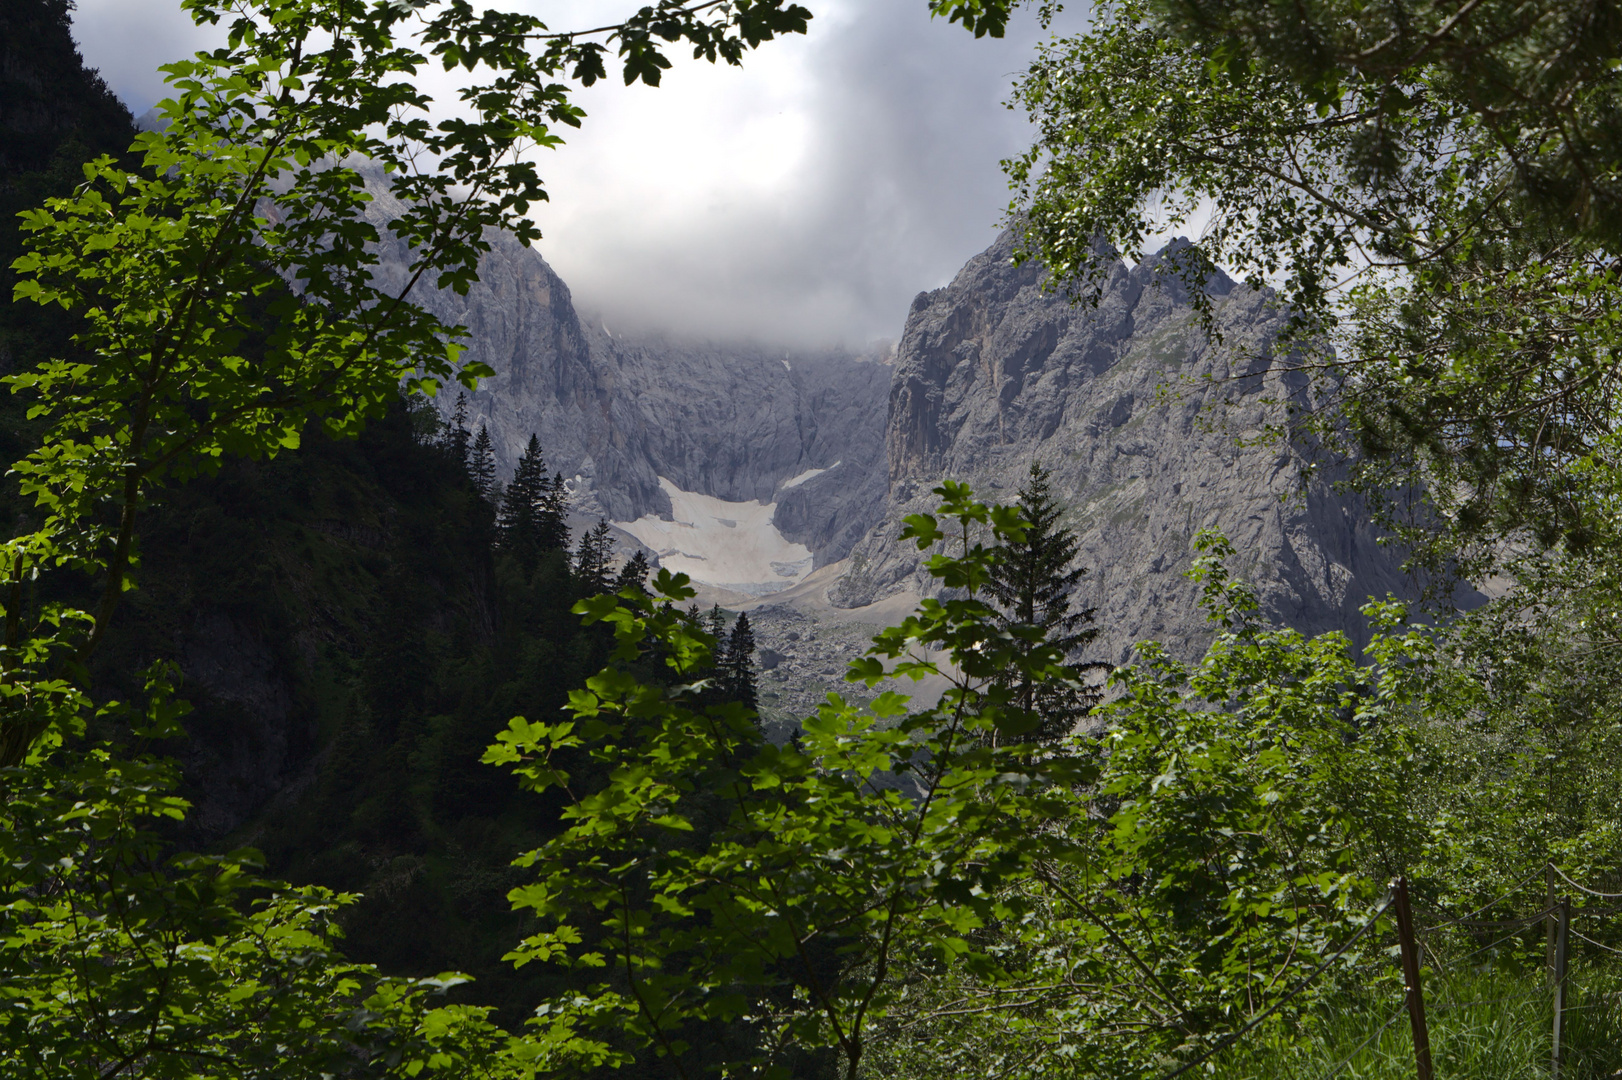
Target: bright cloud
(803,199)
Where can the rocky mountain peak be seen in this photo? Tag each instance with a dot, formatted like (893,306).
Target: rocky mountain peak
(627,419)
(1152,429)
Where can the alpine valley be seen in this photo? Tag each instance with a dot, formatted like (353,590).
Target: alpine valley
(778,479)
(412,669)
(350,640)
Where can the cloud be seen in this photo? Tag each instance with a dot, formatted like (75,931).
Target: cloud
(127,40)
(803,199)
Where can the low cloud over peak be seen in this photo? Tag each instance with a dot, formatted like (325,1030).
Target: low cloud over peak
(801,200)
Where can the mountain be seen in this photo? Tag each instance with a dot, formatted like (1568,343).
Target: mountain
(52,108)
(749,467)
(351,643)
(1152,432)
(628,419)
(55,114)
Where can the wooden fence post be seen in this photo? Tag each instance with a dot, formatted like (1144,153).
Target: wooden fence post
(1551,925)
(1410,978)
(1561,944)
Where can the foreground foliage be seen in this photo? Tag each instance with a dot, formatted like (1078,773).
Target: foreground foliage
(1245,815)
(894,880)
(906,888)
(1497,1025)
(218,282)
(1433,188)
(771,889)
(121,959)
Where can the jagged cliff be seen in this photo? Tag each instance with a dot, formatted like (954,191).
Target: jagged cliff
(615,413)
(1151,431)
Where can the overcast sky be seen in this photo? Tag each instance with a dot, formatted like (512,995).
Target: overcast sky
(803,199)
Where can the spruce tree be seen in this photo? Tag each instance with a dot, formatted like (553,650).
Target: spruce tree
(457,436)
(482,466)
(738,664)
(428,427)
(715,624)
(591,562)
(521,500)
(552,516)
(533,514)
(1034,585)
(634,574)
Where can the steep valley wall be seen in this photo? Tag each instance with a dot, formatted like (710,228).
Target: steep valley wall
(616,414)
(1152,432)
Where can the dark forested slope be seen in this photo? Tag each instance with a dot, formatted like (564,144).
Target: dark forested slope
(351,644)
(349,639)
(54,115)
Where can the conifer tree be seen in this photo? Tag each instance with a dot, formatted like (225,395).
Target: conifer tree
(592,559)
(533,514)
(457,436)
(482,466)
(715,624)
(634,574)
(552,520)
(520,502)
(1033,585)
(738,664)
(427,425)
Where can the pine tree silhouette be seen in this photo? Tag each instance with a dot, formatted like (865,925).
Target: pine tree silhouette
(715,624)
(1034,585)
(482,467)
(533,514)
(738,664)
(552,519)
(634,574)
(520,502)
(592,559)
(457,436)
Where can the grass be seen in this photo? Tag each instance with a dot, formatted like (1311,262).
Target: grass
(1484,1025)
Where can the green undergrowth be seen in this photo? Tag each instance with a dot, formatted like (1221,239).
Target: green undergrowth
(1483,1024)
(351,644)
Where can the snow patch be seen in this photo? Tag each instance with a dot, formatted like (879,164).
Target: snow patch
(731,545)
(809,474)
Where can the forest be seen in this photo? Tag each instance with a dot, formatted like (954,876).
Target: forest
(544,833)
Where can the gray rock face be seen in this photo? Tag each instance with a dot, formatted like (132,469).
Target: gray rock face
(732,422)
(1152,433)
(738,423)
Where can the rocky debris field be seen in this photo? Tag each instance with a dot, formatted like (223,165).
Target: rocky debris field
(801,659)
(802,652)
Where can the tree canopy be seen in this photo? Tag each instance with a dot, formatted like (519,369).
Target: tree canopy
(1431,187)
(903,869)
